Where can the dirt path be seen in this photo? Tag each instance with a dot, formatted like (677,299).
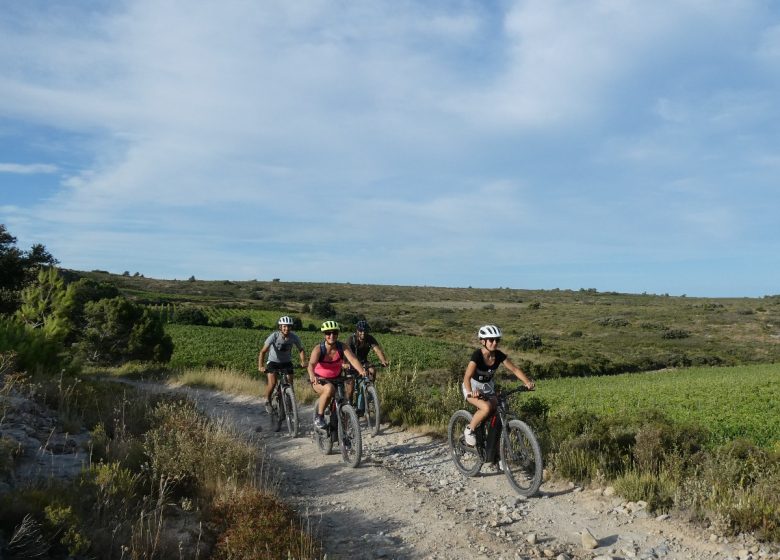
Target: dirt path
(407,501)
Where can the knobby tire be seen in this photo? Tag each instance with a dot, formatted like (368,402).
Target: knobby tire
(291,412)
(372,412)
(350,440)
(465,457)
(522,458)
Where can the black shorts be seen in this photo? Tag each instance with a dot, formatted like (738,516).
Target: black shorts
(279,367)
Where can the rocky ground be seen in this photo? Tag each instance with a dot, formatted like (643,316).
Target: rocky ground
(407,501)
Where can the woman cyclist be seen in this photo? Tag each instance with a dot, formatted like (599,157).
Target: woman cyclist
(361,343)
(278,347)
(325,362)
(479,378)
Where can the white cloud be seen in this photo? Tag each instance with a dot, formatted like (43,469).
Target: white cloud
(28,168)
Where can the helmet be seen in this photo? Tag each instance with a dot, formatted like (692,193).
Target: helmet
(330,326)
(362,326)
(286,320)
(489,331)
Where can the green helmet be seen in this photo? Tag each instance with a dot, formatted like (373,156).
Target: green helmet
(330,326)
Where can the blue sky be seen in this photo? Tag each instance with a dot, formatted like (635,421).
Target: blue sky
(623,146)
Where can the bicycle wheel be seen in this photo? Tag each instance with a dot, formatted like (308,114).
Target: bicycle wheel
(323,439)
(372,410)
(465,457)
(350,440)
(522,458)
(275,417)
(291,412)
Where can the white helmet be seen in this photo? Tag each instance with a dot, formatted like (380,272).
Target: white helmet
(489,331)
(285,320)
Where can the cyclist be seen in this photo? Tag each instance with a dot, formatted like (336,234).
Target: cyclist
(325,363)
(361,343)
(278,347)
(478,379)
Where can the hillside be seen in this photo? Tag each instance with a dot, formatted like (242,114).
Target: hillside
(551,332)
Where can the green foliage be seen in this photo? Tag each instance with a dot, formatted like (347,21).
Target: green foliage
(18,268)
(188,315)
(118,330)
(695,396)
(46,305)
(528,341)
(34,351)
(322,309)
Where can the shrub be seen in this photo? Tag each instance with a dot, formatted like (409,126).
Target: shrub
(118,330)
(188,315)
(254,524)
(528,341)
(675,333)
(611,321)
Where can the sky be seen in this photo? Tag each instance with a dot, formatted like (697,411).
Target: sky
(614,145)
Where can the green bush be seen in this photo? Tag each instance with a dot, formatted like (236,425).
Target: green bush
(189,315)
(528,341)
(118,331)
(34,350)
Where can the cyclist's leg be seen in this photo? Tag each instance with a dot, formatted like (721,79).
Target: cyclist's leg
(326,392)
(269,386)
(484,409)
(349,386)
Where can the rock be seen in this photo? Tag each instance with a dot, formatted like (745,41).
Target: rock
(562,557)
(609,491)
(531,538)
(589,542)
(663,517)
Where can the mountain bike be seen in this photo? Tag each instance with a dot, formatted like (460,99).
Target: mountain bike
(284,408)
(342,427)
(519,452)
(367,400)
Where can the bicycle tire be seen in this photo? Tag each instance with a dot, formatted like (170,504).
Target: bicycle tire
(465,457)
(372,412)
(275,417)
(350,440)
(290,412)
(323,439)
(522,458)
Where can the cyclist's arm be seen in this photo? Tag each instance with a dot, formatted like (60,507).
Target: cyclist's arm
(520,374)
(302,355)
(349,355)
(314,357)
(470,369)
(261,358)
(380,354)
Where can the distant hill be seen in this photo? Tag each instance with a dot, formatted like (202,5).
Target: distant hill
(552,332)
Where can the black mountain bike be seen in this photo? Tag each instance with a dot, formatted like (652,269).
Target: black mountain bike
(342,427)
(367,399)
(284,408)
(519,451)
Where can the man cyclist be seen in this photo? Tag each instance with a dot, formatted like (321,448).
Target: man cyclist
(278,346)
(361,342)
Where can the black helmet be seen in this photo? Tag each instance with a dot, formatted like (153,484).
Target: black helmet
(362,326)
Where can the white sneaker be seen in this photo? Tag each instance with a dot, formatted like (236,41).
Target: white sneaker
(469,437)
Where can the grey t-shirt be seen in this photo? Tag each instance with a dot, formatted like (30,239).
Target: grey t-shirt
(280,348)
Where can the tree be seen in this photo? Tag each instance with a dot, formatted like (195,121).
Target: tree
(46,305)
(117,330)
(18,269)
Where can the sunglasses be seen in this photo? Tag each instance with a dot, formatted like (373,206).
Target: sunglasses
(331,333)
(496,340)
